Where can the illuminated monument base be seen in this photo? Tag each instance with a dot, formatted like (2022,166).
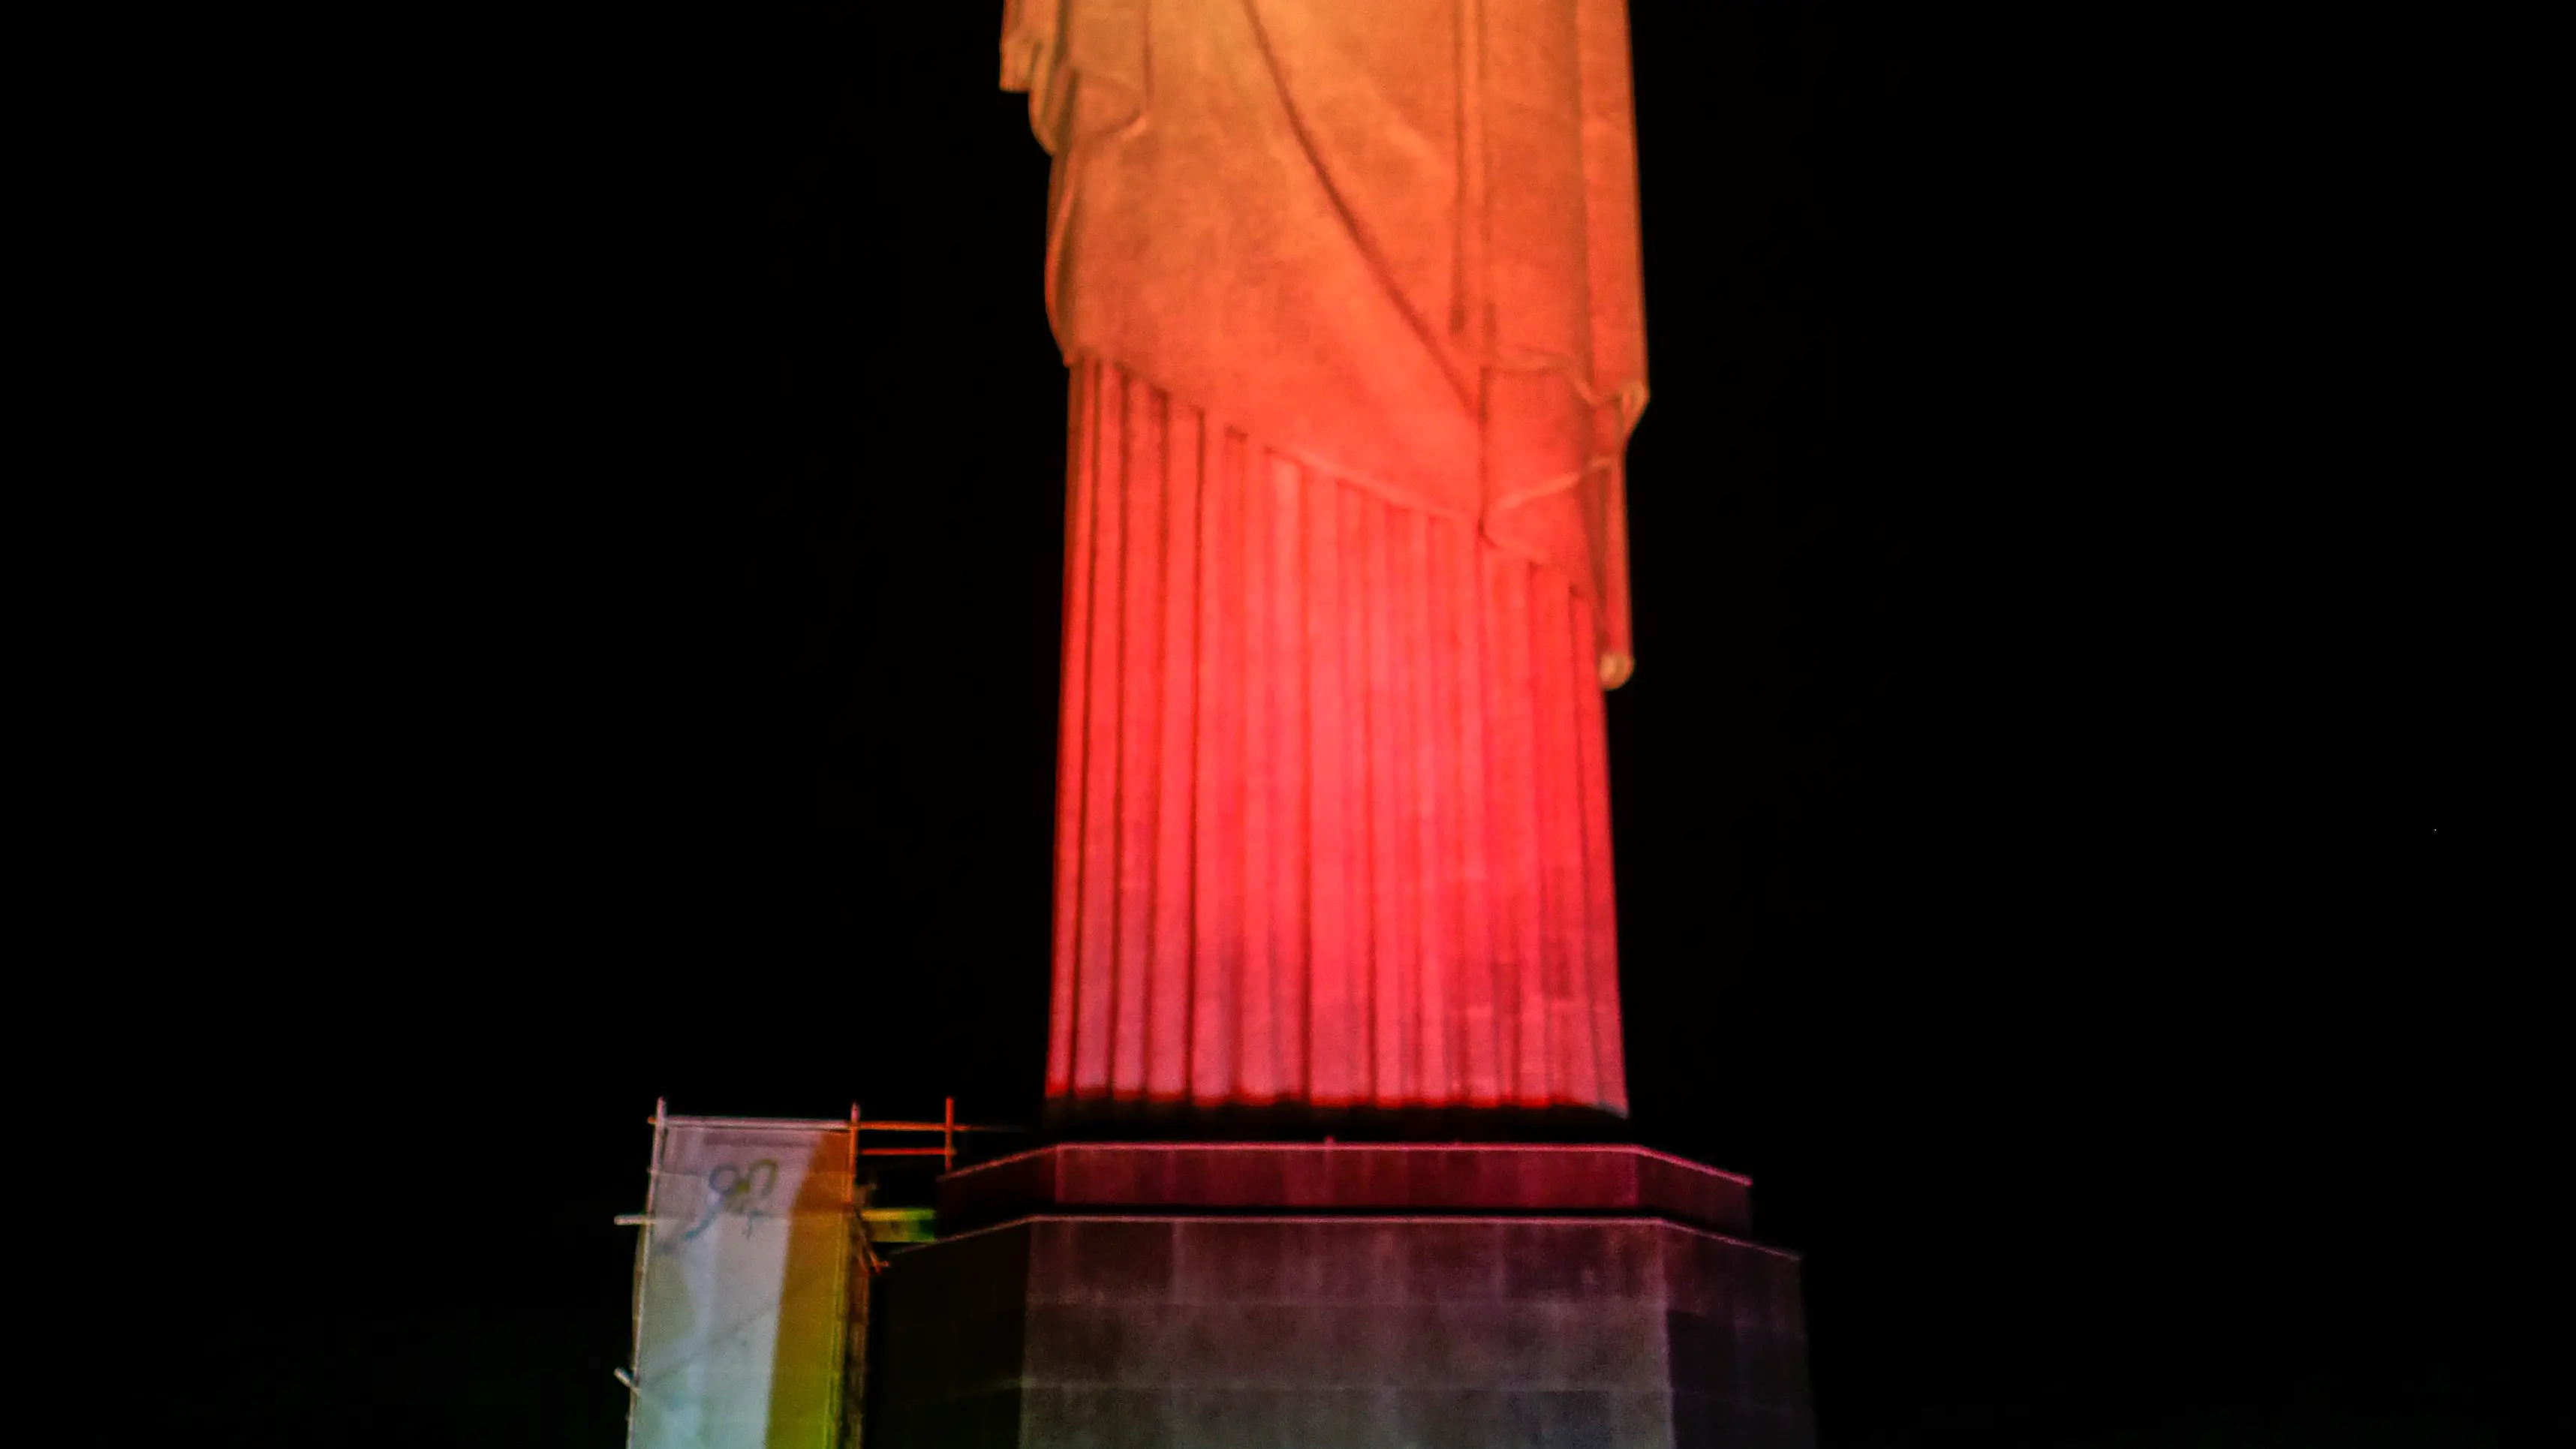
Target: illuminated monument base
(1263,1296)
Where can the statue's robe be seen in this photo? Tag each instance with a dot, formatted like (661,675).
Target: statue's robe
(1351,295)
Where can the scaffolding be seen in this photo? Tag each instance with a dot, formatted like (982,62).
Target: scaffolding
(759,1338)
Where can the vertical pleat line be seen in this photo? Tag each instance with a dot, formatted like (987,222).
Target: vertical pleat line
(1411,626)
(1139,686)
(1167,1017)
(1095,931)
(1258,1001)
(1360,590)
(1072,725)
(1288,683)
(1331,1068)
(1353,516)
(1601,905)
(1521,937)
(1428,740)
(1485,1020)
(1216,1068)
(1388,1027)
(1571,1067)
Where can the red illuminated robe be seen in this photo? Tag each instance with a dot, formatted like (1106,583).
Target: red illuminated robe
(1351,295)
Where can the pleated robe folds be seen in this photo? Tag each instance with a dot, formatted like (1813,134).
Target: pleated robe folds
(1350,296)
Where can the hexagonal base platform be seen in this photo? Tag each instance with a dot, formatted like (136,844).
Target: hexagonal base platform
(1265,1296)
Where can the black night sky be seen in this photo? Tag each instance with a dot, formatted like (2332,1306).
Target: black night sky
(617,658)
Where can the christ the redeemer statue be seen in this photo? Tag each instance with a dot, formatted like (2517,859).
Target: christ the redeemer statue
(1350,291)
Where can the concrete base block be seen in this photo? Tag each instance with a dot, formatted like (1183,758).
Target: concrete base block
(1354,1329)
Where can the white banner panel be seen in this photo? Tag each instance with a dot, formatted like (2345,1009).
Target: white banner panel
(743,1302)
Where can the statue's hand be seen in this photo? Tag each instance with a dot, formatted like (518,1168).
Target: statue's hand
(1615,669)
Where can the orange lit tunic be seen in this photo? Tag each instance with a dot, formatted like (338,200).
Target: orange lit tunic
(1351,295)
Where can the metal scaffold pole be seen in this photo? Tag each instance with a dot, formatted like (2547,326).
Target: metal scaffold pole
(862,1270)
(643,1252)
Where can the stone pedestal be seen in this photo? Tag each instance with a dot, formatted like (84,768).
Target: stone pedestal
(1265,1296)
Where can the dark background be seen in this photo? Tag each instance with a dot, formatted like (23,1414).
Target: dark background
(579,514)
